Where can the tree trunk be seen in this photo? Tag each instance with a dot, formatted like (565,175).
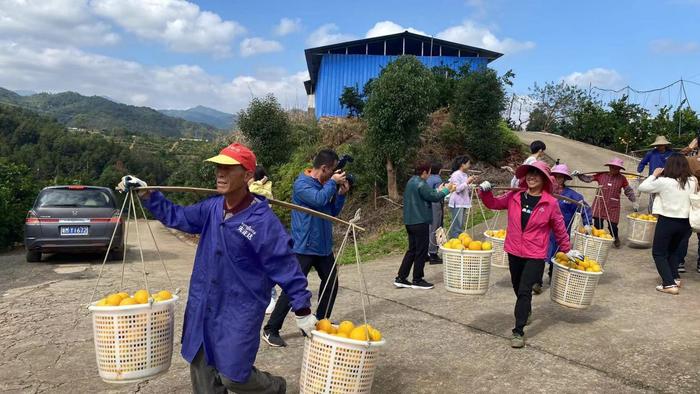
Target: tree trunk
(391,181)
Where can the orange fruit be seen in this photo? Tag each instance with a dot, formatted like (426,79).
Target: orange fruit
(359,333)
(102,302)
(486,246)
(114,299)
(164,295)
(375,335)
(324,325)
(128,301)
(475,245)
(345,327)
(342,335)
(123,295)
(141,296)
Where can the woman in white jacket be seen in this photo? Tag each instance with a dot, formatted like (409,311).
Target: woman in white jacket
(672,205)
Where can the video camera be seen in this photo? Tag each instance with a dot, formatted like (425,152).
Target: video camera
(344,160)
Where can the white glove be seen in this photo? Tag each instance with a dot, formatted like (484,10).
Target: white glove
(575,173)
(485,186)
(635,206)
(588,228)
(574,255)
(307,324)
(128,182)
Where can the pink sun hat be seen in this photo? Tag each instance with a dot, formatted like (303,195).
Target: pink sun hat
(617,162)
(540,166)
(562,169)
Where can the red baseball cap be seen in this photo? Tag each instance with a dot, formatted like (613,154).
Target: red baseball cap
(235,154)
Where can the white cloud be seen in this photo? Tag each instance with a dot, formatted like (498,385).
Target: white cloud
(65,22)
(179,24)
(469,33)
(180,86)
(288,26)
(600,77)
(479,8)
(671,47)
(257,45)
(327,34)
(384,28)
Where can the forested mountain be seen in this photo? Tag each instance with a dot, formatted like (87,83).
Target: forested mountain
(98,113)
(206,115)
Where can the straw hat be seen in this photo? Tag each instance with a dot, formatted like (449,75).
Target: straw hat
(616,162)
(660,140)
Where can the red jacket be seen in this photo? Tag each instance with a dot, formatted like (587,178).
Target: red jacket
(532,243)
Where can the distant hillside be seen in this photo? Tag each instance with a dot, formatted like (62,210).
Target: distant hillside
(206,115)
(75,110)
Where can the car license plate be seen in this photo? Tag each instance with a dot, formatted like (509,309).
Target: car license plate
(74,230)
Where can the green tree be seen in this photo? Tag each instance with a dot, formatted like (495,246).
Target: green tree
(445,83)
(557,103)
(266,126)
(476,112)
(352,99)
(17,192)
(397,109)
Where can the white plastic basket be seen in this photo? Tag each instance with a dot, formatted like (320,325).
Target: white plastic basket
(641,232)
(593,247)
(499,257)
(133,342)
(466,271)
(338,365)
(573,288)
(576,222)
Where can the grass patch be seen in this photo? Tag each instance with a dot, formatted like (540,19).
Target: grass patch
(395,240)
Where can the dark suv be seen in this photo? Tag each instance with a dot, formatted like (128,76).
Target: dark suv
(73,219)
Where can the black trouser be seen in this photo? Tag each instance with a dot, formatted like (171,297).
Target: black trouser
(417,251)
(207,380)
(685,248)
(668,249)
(599,223)
(524,273)
(323,266)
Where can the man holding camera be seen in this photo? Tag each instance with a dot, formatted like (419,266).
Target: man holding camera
(322,188)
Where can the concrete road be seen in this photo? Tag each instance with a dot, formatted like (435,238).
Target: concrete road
(633,339)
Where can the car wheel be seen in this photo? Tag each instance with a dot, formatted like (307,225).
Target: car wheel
(114,255)
(33,256)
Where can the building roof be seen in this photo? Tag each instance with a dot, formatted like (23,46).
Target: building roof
(405,43)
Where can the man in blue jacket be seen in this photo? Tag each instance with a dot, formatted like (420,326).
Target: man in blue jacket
(322,189)
(656,158)
(243,252)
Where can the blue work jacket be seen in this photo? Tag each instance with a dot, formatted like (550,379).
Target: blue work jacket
(655,159)
(313,235)
(568,210)
(237,263)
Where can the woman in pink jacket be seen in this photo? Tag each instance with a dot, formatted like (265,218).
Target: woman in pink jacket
(532,214)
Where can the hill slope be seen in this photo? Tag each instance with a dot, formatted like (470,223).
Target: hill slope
(75,110)
(206,115)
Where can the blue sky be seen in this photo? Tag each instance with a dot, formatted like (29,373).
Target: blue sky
(177,54)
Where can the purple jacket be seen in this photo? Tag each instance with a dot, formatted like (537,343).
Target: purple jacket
(237,263)
(461,197)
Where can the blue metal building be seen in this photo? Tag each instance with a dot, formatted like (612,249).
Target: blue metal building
(353,63)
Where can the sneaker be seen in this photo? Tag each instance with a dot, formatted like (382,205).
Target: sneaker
(399,282)
(422,284)
(698,268)
(271,306)
(537,288)
(673,289)
(616,243)
(273,339)
(679,283)
(434,259)
(517,341)
(681,268)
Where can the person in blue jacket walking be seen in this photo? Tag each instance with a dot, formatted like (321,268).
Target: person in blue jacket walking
(243,252)
(655,158)
(323,189)
(568,209)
